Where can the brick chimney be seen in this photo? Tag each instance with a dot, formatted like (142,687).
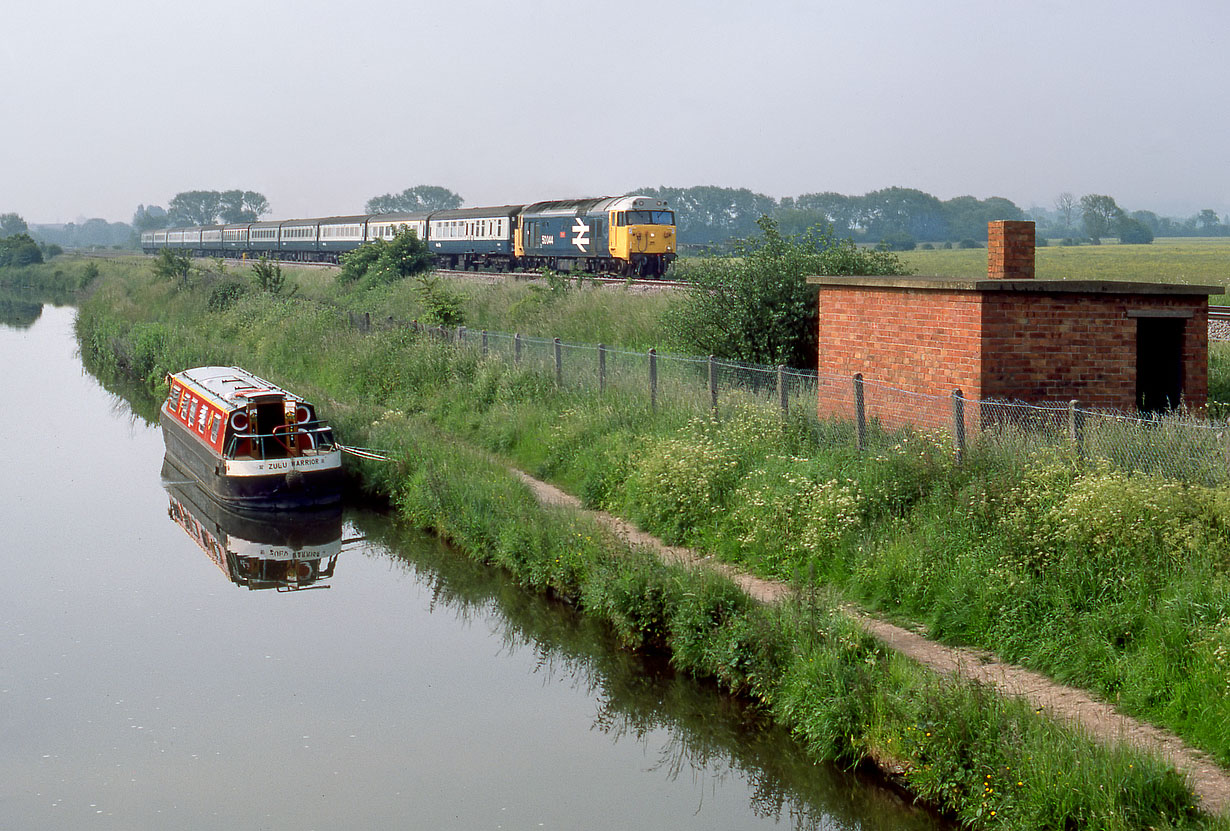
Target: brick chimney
(1010,250)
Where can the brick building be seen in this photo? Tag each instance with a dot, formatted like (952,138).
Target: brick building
(1117,345)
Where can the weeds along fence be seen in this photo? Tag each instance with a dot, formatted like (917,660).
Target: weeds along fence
(872,415)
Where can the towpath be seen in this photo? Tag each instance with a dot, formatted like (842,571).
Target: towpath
(1209,781)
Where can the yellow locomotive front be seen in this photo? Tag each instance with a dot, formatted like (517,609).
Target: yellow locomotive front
(642,235)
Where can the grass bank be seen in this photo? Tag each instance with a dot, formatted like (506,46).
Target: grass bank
(1106,580)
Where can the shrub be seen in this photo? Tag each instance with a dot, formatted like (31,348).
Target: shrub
(226,293)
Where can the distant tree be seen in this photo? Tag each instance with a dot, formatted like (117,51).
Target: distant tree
(903,210)
(417,198)
(19,250)
(208,207)
(836,209)
(1100,215)
(152,218)
(1207,221)
(968,216)
(195,207)
(242,206)
(12,224)
(1065,204)
(1132,231)
(1149,219)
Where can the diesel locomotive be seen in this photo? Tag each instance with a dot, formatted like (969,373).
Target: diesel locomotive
(632,236)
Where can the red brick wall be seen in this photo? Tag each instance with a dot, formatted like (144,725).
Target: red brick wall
(1036,347)
(926,342)
(1058,347)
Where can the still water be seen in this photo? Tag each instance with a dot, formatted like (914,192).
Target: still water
(147,682)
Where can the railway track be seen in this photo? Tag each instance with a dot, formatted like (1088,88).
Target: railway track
(494,276)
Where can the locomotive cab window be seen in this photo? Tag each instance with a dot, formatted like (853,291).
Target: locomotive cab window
(650,218)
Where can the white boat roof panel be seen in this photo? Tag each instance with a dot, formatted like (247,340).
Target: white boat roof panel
(231,386)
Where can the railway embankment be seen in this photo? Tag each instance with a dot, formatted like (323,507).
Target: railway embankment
(1102,580)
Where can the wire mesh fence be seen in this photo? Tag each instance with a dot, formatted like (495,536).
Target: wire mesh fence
(1178,445)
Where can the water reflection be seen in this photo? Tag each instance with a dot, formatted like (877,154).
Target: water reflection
(687,729)
(18,313)
(286,552)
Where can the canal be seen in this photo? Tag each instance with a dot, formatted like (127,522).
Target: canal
(150,678)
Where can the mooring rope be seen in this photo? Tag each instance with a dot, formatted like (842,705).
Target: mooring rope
(365,453)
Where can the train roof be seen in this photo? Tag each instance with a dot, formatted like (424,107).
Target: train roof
(399,216)
(336,220)
(467,213)
(602,204)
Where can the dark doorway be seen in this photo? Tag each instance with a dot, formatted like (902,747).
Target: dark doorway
(1159,363)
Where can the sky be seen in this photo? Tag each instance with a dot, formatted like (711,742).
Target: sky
(322,105)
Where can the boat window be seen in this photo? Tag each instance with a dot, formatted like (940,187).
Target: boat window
(200,419)
(184,404)
(213,432)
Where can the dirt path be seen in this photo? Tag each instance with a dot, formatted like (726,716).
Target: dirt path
(1210,782)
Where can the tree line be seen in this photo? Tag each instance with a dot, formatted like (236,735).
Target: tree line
(900,218)
(710,217)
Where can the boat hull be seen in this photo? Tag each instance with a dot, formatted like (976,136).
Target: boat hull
(309,481)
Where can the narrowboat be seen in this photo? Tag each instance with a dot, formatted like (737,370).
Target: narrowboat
(248,443)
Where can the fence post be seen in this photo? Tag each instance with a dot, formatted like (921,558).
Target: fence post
(782,392)
(860,413)
(559,364)
(958,426)
(601,368)
(461,334)
(1076,427)
(367,321)
(517,348)
(713,386)
(653,378)
(484,343)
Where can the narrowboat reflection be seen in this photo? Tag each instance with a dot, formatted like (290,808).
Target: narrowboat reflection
(282,551)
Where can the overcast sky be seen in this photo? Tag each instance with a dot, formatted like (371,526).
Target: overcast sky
(322,105)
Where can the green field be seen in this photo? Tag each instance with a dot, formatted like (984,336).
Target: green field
(1203,261)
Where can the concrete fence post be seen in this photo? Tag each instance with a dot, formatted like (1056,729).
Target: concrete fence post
(517,348)
(860,413)
(559,363)
(1076,427)
(601,368)
(783,392)
(653,378)
(713,386)
(484,343)
(958,426)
